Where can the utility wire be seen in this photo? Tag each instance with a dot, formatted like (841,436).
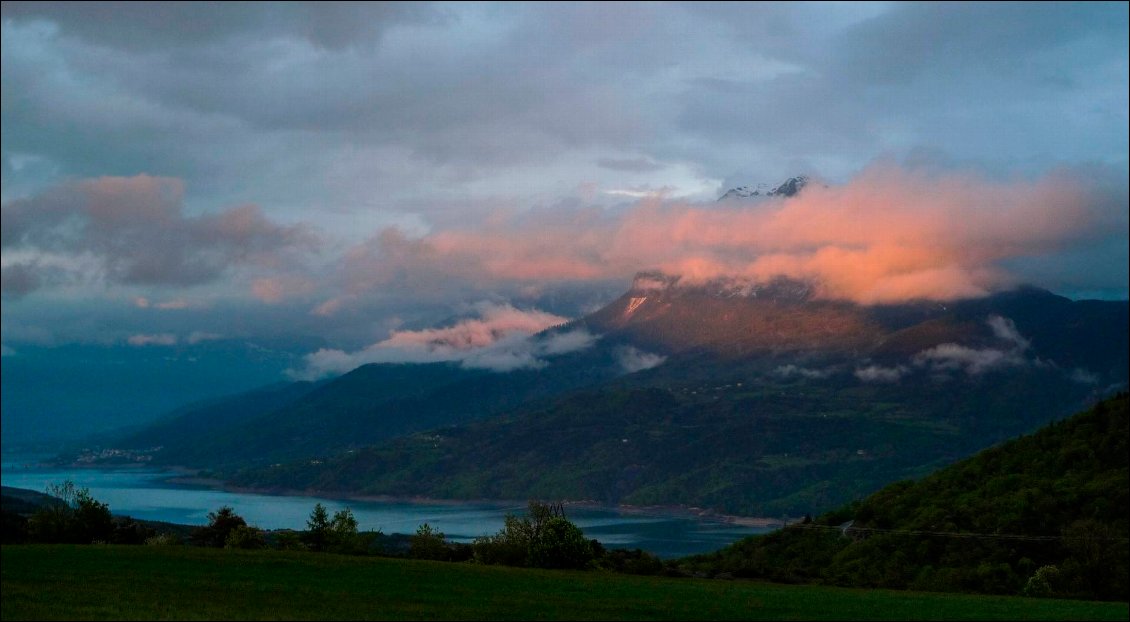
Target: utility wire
(951,534)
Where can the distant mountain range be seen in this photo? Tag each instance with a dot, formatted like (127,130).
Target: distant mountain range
(743,397)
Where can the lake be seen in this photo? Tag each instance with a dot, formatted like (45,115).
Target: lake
(149,495)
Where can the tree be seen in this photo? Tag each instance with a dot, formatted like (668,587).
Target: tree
(220,525)
(429,544)
(343,532)
(543,538)
(560,544)
(318,528)
(76,518)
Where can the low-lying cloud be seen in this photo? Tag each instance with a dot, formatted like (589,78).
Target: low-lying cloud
(953,357)
(632,359)
(500,339)
(976,361)
(879,373)
(890,235)
(791,371)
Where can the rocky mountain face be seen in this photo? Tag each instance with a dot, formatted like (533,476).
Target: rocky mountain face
(732,317)
(790,187)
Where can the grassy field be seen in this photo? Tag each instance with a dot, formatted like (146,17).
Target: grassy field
(111,582)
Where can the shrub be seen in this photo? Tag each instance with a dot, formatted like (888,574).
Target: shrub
(245,537)
(1043,583)
(162,539)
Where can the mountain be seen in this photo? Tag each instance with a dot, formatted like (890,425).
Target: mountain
(781,320)
(733,317)
(740,396)
(1046,514)
(372,403)
(767,401)
(791,187)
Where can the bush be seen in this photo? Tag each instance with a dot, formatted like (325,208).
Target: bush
(163,539)
(245,537)
(635,561)
(288,541)
(129,531)
(499,550)
(1043,583)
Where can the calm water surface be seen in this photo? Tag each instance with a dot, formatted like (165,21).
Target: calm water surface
(147,494)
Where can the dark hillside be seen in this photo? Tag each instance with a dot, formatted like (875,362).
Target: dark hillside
(1047,513)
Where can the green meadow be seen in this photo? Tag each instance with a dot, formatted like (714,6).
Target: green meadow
(177,582)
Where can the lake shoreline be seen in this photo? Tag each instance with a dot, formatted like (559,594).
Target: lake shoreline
(183,496)
(666,511)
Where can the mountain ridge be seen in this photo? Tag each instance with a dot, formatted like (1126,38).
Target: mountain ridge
(719,414)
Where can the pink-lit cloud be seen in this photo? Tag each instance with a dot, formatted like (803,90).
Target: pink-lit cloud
(889,235)
(498,339)
(275,289)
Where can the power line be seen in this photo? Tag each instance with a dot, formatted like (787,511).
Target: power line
(850,529)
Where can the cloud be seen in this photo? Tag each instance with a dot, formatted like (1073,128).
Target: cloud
(633,360)
(500,339)
(630,165)
(345,117)
(892,234)
(334,25)
(788,371)
(159,339)
(199,336)
(275,289)
(976,361)
(1004,328)
(1082,376)
(18,279)
(133,230)
(878,373)
(176,304)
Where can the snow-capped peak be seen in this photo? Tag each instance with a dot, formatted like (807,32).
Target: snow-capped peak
(790,187)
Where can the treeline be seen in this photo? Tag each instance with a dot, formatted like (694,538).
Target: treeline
(543,538)
(69,515)
(1043,515)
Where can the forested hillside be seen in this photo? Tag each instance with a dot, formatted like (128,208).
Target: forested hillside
(1046,514)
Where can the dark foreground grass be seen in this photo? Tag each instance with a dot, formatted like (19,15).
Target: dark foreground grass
(110,582)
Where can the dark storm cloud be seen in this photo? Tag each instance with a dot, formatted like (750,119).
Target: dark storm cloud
(136,232)
(1009,84)
(147,26)
(1008,39)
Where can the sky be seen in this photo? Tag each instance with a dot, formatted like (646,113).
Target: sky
(351,175)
